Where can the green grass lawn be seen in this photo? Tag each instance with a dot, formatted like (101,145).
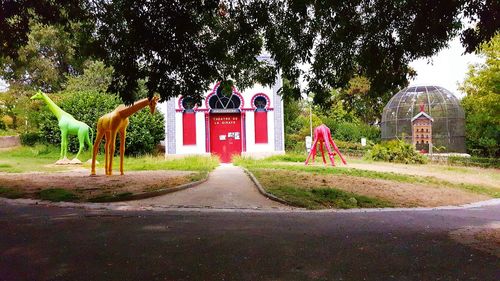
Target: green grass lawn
(314,198)
(41,158)
(301,196)
(270,163)
(30,159)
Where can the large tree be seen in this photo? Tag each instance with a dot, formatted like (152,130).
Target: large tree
(180,47)
(42,41)
(43,62)
(481,104)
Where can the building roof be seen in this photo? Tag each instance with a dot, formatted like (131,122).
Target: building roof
(420,114)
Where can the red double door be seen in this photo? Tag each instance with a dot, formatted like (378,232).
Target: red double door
(225,135)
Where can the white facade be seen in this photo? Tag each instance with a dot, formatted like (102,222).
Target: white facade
(242,131)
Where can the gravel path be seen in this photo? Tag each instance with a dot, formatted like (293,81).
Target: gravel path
(227,187)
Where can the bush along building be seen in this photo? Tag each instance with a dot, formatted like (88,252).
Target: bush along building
(226,124)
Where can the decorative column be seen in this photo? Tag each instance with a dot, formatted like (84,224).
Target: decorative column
(279,132)
(207,132)
(170,127)
(243,131)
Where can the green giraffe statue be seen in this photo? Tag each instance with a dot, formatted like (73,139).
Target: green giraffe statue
(69,126)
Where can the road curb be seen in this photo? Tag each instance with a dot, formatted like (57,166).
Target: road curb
(132,197)
(263,191)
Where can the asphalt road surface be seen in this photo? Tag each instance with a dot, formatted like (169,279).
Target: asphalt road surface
(52,243)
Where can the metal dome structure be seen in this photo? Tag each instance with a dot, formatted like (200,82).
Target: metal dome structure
(448,126)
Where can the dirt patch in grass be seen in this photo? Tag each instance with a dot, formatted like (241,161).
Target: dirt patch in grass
(467,175)
(397,193)
(486,239)
(86,188)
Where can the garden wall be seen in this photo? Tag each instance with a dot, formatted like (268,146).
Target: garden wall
(9,141)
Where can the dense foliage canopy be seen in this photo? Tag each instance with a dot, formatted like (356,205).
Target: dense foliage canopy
(482,102)
(180,47)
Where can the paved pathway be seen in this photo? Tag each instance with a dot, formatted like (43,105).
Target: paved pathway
(227,187)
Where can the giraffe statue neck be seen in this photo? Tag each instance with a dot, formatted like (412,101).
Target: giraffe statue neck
(56,110)
(129,110)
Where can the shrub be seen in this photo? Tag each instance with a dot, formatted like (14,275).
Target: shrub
(353,132)
(289,157)
(342,133)
(395,151)
(474,161)
(143,133)
(30,138)
(7,121)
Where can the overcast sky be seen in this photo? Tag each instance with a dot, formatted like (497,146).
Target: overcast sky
(446,68)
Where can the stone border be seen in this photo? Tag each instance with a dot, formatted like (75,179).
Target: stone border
(10,141)
(263,191)
(138,196)
(122,206)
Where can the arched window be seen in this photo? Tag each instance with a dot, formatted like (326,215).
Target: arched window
(224,100)
(188,121)
(260,103)
(188,104)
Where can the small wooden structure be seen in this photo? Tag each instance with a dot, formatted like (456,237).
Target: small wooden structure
(422,130)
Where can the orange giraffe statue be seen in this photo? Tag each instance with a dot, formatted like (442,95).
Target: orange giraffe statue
(112,123)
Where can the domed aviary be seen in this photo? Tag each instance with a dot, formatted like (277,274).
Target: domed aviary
(425,115)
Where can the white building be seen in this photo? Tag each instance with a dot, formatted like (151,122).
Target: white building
(241,123)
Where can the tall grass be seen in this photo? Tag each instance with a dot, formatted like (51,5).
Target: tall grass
(190,163)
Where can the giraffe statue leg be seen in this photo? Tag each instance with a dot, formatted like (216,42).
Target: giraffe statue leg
(111,152)
(312,152)
(88,140)
(64,147)
(95,150)
(106,151)
(338,152)
(329,149)
(81,142)
(322,151)
(123,133)
(64,140)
